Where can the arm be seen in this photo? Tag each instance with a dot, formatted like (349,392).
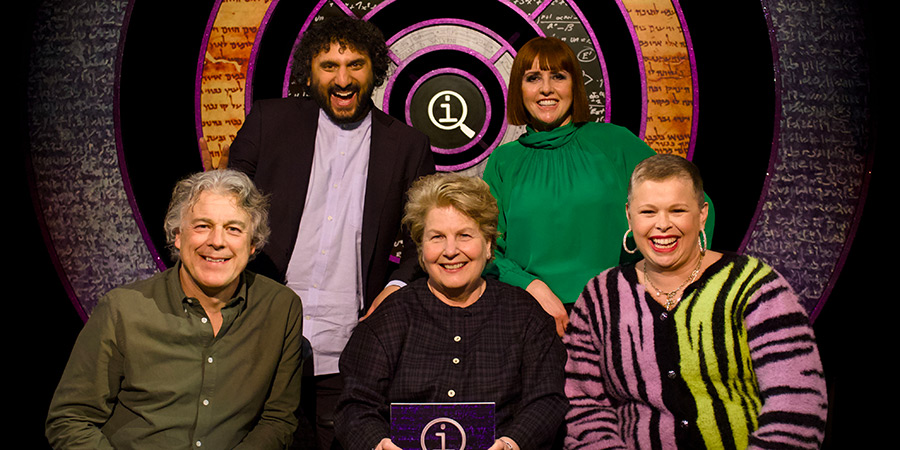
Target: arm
(511,272)
(788,369)
(243,153)
(277,423)
(86,395)
(592,421)
(409,268)
(543,405)
(551,303)
(385,293)
(358,418)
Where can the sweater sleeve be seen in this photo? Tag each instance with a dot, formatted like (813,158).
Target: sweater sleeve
(592,421)
(787,367)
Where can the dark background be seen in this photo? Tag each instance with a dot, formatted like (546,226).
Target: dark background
(44,324)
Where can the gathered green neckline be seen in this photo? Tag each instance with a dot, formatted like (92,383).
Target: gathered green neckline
(549,139)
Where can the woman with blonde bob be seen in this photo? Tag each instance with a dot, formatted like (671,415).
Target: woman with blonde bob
(560,186)
(689,348)
(454,336)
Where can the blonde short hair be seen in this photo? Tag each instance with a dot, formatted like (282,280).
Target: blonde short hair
(468,195)
(664,166)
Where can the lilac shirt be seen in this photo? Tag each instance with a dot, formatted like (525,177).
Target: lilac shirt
(325,265)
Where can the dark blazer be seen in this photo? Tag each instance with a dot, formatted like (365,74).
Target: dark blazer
(275,148)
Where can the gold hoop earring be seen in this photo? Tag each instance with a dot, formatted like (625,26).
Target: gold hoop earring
(625,242)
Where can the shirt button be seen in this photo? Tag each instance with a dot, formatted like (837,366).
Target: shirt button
(209,360)
(684,423)
(455,360)
(663,316)
(330,218)
(457,338)
(308,317)
(198,443)
(204,320)
(451,393)
(205,402)
(671,374)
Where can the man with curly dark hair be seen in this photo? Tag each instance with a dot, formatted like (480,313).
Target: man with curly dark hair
(358,36)
(337,170)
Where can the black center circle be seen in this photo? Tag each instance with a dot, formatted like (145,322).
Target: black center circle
(450,109)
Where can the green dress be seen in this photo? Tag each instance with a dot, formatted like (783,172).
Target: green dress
(561,195)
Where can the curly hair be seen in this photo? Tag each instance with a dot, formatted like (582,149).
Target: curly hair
(223,182)
(469,195)
(348,32)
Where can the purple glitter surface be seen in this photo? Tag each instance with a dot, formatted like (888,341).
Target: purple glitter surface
(442,426)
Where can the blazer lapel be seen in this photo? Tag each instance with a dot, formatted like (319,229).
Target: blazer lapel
(304,137)
(382,164)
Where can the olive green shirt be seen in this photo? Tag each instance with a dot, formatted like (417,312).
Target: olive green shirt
(147,371)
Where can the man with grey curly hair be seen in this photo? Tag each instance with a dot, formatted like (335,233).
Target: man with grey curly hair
(205,354)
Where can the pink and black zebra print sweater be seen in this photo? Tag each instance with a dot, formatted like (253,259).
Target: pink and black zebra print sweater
(734,365)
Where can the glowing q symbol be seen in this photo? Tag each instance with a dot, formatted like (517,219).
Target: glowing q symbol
(454,123)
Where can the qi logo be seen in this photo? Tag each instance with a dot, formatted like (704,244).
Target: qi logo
(446,119)
(437,431)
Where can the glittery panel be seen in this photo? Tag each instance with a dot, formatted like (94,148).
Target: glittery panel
(93,234)
(415,426)
(808,212)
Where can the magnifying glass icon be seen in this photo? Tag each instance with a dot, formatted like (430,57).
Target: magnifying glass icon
(447,122)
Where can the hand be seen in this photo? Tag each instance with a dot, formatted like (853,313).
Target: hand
(206,157)
(380,298)
(551,303)
(387,444)
(500,445)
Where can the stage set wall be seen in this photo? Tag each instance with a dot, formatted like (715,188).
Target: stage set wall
(779,104)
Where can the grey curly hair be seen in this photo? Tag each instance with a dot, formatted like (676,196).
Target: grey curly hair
(222,182)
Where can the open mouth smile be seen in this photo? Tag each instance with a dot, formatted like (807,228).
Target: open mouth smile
(666,243)
(343,97)
(216,260)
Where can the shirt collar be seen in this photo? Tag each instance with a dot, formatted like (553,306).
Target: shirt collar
(362,124)
(177,295)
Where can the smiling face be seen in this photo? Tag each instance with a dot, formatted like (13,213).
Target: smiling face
(341,82)
(454,252)
(666,221)
(214,244)
(548,96)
